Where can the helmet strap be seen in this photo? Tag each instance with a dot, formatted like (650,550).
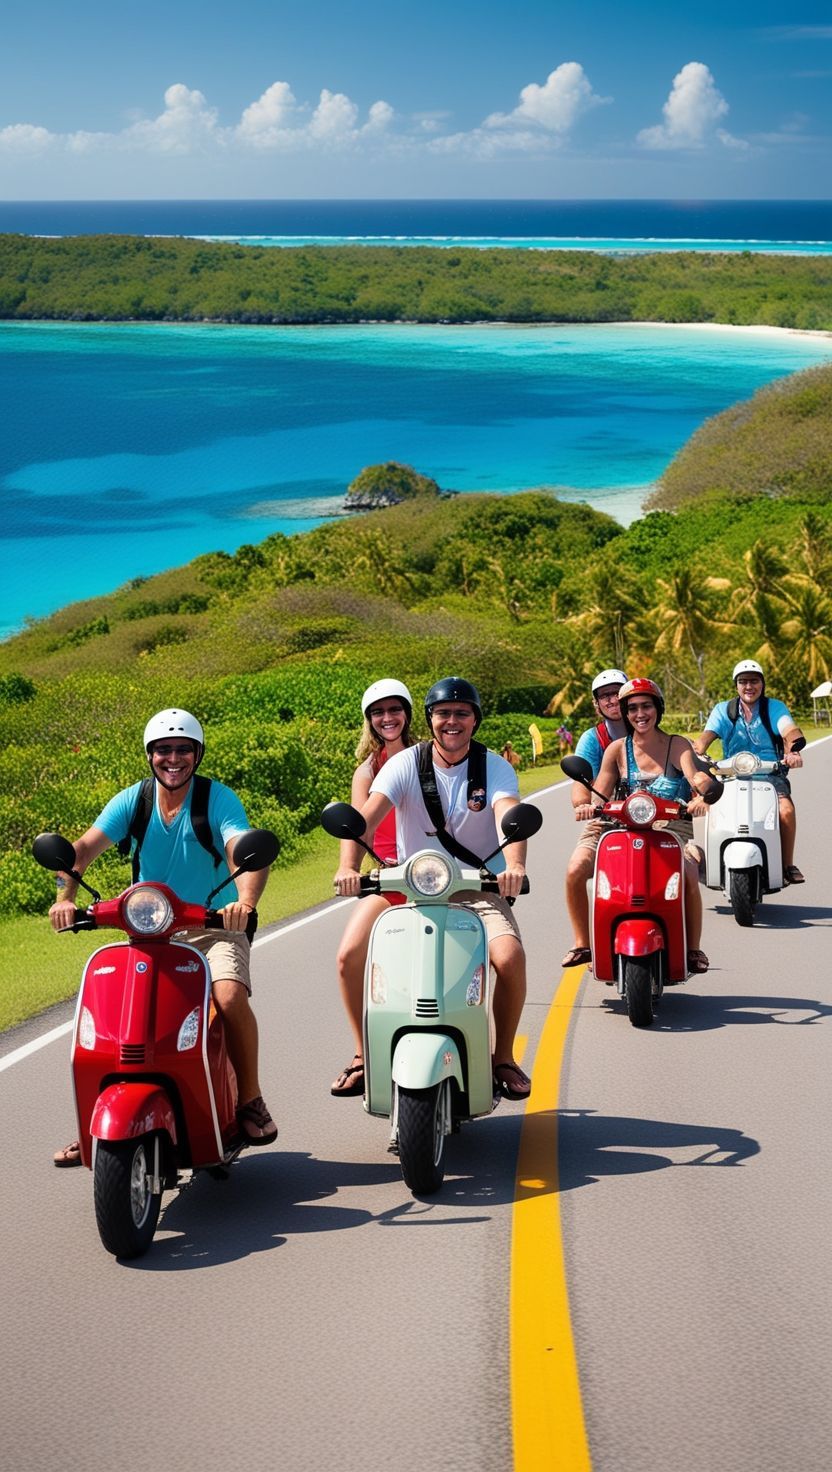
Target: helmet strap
(437,746)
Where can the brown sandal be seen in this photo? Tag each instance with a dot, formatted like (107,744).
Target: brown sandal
(516,1086)
(577,956)
(256,1124)
(350,1081)
(792,875)
(697,963)
(70,1155)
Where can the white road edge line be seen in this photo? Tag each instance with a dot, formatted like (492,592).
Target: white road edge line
(59,1032)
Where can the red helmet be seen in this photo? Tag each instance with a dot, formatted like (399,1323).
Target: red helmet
(641,687)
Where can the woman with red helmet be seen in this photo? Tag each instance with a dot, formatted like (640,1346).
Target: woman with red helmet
(387,706)
(648,758)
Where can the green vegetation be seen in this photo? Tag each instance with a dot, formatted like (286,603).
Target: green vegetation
(387,485)
(777,444)
(128,278)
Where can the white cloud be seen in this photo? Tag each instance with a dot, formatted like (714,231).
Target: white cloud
(25,138)
(556,105)
(485,144)
(334,119)
(265,123)
(379,118)
(691,112)
(185,126)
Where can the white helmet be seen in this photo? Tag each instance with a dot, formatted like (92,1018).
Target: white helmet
(167,723)
(608,677)
(748,667)
(387,690)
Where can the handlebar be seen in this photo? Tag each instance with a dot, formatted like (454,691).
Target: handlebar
(490,886)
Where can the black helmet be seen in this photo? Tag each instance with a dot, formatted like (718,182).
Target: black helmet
(452,688)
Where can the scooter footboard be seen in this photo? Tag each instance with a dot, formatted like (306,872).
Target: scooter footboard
(126,1110)
(423,1059)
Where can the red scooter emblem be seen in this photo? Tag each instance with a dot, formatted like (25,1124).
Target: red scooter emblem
(155,1092)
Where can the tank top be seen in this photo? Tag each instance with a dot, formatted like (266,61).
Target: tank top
(384,842)
(671,784)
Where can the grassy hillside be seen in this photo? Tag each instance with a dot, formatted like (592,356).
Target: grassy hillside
(128,278)
(777,444)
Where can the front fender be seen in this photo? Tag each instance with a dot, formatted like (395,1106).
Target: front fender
(742,855)
(422,1059)
(637,937)
(126,1110)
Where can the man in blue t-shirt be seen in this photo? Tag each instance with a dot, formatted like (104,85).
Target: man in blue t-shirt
(591,746)
(171,853)
(775,738)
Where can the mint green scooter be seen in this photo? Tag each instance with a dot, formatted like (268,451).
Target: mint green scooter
(427,997)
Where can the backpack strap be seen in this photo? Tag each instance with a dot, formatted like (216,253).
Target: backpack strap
(143,811)
(604,737)
(477,796)
(776,739)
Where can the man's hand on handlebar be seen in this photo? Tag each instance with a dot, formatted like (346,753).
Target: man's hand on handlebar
(509,881)
(62,915)
(792,759)
(236,915)
(347,882)
(585,811)
(696,806)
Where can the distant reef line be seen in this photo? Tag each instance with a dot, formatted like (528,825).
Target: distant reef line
(108,278)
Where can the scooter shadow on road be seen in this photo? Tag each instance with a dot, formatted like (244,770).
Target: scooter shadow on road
(592,1146)
(266,1200)
(785,917)
(684,1011)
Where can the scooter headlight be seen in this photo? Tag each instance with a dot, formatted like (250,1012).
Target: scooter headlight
(429,874)
(148,911)
(745,764)
(641,809)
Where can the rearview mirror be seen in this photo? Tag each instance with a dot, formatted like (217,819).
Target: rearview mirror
(521,821)
(343,821)
(578,768)
(54,852)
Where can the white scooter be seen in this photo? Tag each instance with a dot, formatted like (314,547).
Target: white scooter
(740,836)
(427,997)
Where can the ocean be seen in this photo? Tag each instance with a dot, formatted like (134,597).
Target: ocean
(797,226)
(129,449)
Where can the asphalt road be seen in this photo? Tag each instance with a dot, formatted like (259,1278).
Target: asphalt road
(309,1313)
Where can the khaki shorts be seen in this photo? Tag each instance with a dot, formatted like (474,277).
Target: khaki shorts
(227,952)
(496,915)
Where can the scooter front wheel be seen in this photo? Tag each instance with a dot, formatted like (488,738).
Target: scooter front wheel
(422,1126)
(638,985)
(126,1211)
(742,890)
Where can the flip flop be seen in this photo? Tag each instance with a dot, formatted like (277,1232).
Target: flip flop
(577,956)
(255,1113)
(70,1155)
(352,1079)
(792,875)
(698,963)
(519,1090)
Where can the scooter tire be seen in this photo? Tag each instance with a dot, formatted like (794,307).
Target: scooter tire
(742,891)
(638,984)
(422,1138)
(126,1211)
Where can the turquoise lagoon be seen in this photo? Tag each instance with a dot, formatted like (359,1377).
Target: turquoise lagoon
(128,449)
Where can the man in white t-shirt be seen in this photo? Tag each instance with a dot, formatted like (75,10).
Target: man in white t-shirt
(471,815)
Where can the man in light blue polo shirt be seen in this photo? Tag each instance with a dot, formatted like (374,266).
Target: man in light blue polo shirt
(591,746)
(191,852)
(756,723)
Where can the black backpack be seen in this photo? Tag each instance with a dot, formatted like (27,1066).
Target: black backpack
(143,811)
(776,738)
(477,795)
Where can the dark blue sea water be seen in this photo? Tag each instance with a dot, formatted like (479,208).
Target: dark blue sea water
(128,449)
(793,225)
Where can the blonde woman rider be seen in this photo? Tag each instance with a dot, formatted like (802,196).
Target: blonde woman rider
(387,707)
(648,758)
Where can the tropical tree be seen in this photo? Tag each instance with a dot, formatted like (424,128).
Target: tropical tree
(612,604)
(687,618)
(809,632)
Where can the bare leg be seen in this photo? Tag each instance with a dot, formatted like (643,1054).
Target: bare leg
(352,959)
(693,905)
(788,830)
(508,958)
(240,1024)
(579,870)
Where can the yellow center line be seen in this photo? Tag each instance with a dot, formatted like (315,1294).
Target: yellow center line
(547,1415)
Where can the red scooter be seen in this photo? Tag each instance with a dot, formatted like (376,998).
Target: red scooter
(155,1092)
(637,913)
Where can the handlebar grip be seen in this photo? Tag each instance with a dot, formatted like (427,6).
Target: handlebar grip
(490,886)
(369,885)
(83,921)
(213,920)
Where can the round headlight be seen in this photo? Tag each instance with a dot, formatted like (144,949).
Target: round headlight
(641,808)
(147,911)
(745,763)
(429,874)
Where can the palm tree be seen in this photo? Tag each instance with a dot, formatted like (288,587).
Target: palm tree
(613,602)
(685,614)
(813,548)
(809,631)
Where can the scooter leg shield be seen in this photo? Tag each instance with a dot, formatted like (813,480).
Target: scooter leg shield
(423,1059)
(127,1110)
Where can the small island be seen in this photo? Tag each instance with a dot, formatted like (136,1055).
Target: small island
(388,485)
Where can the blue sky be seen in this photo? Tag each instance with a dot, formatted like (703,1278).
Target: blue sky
(317,99)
